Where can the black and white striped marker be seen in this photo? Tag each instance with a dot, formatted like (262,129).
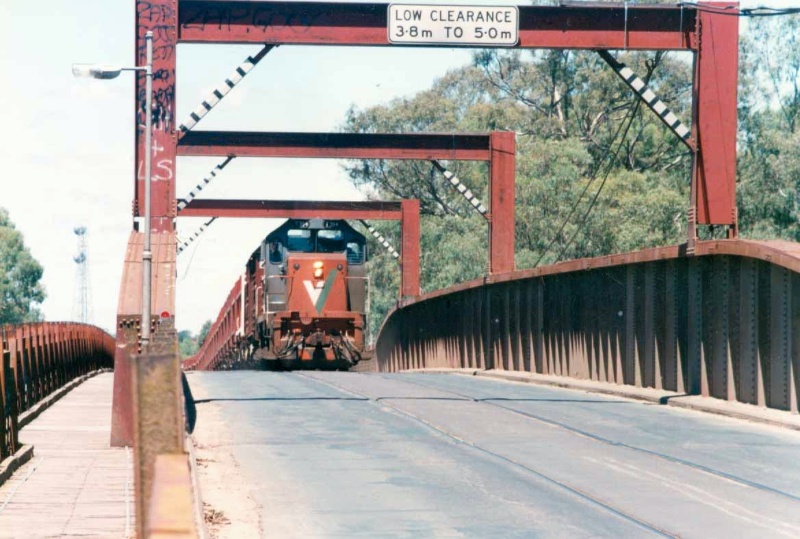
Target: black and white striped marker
(216,96)
(200,186)
(461,188)
(649,97)
(377,235)
(197,233)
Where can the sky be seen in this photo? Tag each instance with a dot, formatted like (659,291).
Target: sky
(68,148)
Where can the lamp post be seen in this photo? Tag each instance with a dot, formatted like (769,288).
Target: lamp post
(111,72)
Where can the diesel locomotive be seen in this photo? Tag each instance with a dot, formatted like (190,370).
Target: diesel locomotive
(305,297)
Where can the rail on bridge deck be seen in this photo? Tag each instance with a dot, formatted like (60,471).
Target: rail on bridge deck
(39,358)
(722,323)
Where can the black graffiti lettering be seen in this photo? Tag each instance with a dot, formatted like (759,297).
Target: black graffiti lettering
(263,18)
(155,13)
(162,75)
(237,15)
(163,32)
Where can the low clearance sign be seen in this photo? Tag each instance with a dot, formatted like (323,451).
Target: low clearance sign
(453,25)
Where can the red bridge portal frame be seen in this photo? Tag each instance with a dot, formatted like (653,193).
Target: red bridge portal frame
(709,30)
(405,211)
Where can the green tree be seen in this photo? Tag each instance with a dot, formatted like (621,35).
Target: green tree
(769,117)
(187,343)
(201,336)
(20,289)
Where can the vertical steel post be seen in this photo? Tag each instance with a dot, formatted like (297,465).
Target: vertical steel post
(501,201)
(715,116)
(409,256)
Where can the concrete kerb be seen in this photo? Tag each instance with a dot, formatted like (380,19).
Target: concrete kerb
(13,463)
(37,409)
(199,516)
(736,410)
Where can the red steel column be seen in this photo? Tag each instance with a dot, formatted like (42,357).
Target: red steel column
(160,16)
(409,255)
(715,81)
(501,201)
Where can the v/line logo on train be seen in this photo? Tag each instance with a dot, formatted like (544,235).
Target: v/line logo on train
(305,296)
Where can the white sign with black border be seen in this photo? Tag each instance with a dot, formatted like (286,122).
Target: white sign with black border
(421,24)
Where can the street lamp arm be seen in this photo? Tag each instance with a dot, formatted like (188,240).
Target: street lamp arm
(99,71)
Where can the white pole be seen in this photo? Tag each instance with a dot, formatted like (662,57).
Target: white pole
(147,255)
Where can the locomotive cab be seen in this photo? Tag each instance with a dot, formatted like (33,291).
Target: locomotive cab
(315,295)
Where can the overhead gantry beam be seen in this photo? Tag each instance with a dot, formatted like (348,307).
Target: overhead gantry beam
(497,147)
(710,30)
(405,211)
(293,209)
(318,23)
(474,147)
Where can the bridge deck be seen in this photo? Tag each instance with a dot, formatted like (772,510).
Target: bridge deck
(345,454)
(75,485)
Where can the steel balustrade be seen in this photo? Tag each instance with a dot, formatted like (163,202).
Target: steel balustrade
(39,358)
(723,323)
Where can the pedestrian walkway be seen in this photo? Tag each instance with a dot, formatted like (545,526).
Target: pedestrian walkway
(75,484)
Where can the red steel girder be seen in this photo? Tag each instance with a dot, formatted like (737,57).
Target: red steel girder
(715,88)
(318,23)
(409,256)
(293,209)
(423,146)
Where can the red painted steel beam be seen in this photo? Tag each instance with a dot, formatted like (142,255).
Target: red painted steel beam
(293,209)
(160,17)
(317,23)
(715,119)
(502,182)
(423,146)
(409,252)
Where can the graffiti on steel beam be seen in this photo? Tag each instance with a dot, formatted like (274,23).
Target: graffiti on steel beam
(253,16)
(161,19)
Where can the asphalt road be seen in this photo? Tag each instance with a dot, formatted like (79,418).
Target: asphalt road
(435,455)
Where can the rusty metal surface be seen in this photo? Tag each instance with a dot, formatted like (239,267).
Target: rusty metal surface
(129,314)
(723,323)
(39,358)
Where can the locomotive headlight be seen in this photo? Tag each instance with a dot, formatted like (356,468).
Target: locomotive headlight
(318,270)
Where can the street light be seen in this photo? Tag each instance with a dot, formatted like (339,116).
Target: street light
(105,72)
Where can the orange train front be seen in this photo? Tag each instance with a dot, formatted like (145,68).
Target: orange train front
(307,296)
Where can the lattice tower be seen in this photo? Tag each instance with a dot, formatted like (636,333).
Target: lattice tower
(81,306)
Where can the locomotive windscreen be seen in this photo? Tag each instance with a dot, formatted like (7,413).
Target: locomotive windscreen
(300,241)
(315,236)
(330,241)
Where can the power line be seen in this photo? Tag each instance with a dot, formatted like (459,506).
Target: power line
(592,178)
(602,184)
(758,11)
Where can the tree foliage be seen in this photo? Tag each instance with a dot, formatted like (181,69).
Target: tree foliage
(190,343)
(20,289)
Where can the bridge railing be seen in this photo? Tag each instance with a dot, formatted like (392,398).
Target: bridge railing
(39,358)
(723,323)
(222,340)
